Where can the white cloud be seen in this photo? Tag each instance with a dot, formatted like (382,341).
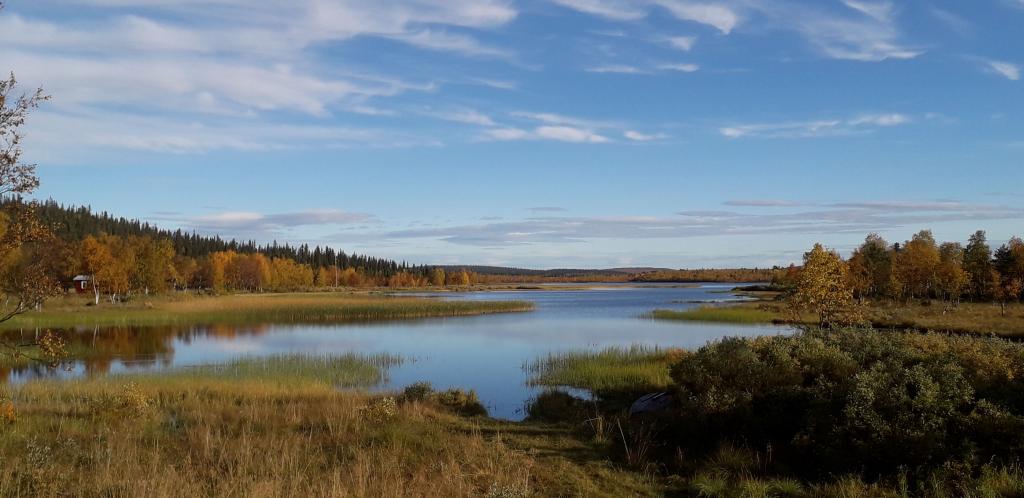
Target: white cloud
(891,119)
(558,119)
(553,133)
(683,68)
(880,11)
(872,37)
(62,136)
(684,43)
(569,134)
(1005,69)
(865,30)
(253,225)
(440,40)
(814,129)
(611,9)
(718,16)
(857,216)
(194,61)
(636,136)
(467,116)
(508,134)
(616,69)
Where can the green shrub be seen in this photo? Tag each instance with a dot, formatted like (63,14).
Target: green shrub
(464,403)
(856,402)
(556,406)
(419,391)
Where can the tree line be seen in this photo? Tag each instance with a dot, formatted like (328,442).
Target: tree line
(920,268)
(121,257)
(74,223)
(118,266)
(708,275)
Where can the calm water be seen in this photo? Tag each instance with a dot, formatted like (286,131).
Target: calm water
(485,353)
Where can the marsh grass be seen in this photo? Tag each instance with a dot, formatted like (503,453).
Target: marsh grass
(936,316)
(219,434)
(345,370)
(305,308)
(634,368)
(721,314)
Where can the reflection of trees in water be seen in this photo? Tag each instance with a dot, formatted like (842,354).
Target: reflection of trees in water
(96,350)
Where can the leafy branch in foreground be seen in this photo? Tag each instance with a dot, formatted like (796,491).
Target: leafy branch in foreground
(24,277)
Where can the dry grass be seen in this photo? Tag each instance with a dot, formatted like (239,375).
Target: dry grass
(175,436)
(322,307)
(936,316)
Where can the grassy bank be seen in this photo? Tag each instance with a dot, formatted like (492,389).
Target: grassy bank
(327,307)
(214,433)
(975,318)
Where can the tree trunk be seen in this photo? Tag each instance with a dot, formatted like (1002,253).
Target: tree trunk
(95,290)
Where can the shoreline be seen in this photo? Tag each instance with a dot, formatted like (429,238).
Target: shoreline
(236,309)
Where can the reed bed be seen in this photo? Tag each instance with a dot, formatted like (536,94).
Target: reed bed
(347,370)
(719,314)
(636,367)
(304,308)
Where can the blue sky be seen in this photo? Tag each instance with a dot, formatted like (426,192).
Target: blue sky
(544,133)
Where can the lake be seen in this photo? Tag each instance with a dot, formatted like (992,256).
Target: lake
(485,353)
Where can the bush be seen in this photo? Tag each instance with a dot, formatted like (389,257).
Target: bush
(855,402)
(464,403)
(420,391)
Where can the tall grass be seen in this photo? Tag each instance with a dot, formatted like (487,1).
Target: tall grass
(616,368)
(257,308)
(345,370)
(174,436)
(722,314)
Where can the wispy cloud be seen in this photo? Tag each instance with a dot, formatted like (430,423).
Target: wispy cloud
(1007,70)
(569,134)
(192,62)
(871,37)
(957,24)
(637,136)
(554,133)
(813,129)
(855,217)
(65,133)
(718,15)
(264,226)
(684,43)
(617,68)
(619,10)
(683,68)
(461,115)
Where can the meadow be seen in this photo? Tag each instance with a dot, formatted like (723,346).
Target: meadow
(240,309)
(281,428)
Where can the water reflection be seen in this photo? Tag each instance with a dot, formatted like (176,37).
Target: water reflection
(485,353)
